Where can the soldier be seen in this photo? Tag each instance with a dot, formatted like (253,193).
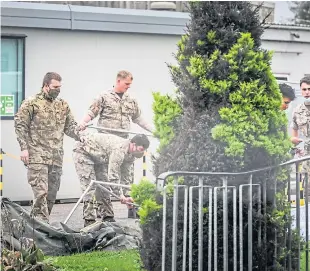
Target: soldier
(116,109)
(40,125)
(288,95)
(301,119)
(116,154)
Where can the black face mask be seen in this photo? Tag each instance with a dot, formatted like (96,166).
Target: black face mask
(53,93)
(138,154)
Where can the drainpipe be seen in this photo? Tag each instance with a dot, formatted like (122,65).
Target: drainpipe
(71,17)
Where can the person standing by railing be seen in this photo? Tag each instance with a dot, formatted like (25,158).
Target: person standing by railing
(40,125)
(288,95)
(116,155)
(116,109)
(301,119)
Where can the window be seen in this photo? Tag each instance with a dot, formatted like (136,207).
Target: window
(281,77)
(12,74)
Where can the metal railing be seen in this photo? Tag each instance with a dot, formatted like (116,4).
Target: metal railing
(234,223)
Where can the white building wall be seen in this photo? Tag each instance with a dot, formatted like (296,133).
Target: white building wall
(88,63)
(291,46)
(290,53)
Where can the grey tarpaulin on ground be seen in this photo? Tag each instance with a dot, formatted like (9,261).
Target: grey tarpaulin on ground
(60,239)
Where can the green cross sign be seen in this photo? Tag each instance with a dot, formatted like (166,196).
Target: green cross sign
(7,105)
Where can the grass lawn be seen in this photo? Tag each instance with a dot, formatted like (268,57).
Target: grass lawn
(125,260)
(303,261)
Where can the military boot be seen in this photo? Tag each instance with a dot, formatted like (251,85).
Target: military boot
(108,219)
(133,212)
(88,222)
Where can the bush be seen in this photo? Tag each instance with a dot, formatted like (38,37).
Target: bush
(166,110)
(144,194)
(228,118)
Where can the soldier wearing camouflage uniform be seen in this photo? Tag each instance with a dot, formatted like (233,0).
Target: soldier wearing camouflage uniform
(301,121)
(116,154)
(116,109)
(40,125)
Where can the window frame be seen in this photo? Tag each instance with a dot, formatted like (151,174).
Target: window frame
(23,38)
(282,75)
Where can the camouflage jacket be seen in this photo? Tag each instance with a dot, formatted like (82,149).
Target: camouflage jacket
(40,125)
(117,113)
(301,122)
(111,150)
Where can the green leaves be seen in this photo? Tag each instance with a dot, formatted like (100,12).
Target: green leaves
(253,118)
(142,191)
(211,36)
(148,207)
(166,110)
(144,194)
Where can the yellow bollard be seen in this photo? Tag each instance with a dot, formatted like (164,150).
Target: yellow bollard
(302,198)
(301,188)
(144,164)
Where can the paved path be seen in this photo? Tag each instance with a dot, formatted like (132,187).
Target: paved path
(302,220)
(61,211)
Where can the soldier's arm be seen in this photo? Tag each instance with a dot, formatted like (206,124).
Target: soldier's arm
(71,127)
(294,133)
(22,121)
(126,174)
(94,110)
(116,159)
(295,139)
(138,119)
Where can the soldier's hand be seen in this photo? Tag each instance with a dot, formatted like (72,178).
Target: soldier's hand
(129,200)
(299,152)
(82,126)
(83,139)
(126,200)
(123,199)
(296,140)
(24,156)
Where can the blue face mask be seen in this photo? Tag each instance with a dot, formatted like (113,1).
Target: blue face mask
(306,101)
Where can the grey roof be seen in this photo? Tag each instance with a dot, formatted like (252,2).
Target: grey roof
(289,26)
(73,17)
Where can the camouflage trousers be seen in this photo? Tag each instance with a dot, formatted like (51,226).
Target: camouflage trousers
(115,190)
(306,164)
(95,198)
(45,182)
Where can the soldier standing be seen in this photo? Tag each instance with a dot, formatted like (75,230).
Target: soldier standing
(116,109)
(40,125)
(288,95)
(301,120)
(116,154)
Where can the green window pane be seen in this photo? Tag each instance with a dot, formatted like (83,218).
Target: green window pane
(12,75)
